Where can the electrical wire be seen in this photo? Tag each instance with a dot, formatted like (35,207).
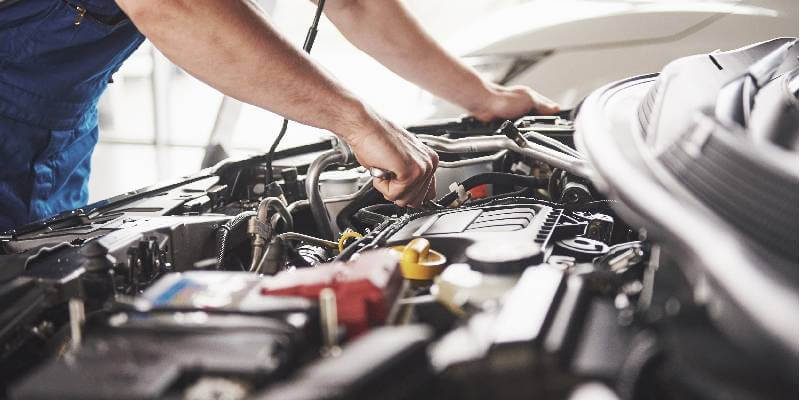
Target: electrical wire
(307,45)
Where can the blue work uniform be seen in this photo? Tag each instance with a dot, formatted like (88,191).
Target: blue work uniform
(56,58)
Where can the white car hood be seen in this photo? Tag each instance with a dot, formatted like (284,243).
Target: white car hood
(557,24)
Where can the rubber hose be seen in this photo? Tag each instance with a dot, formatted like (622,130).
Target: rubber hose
(368,196)
(385,209)
(318,210)
(370,218)
(350,250)
(527,192)
(554,184)
(494,178)
(225,232)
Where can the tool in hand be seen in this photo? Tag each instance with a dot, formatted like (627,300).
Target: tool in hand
(381,173)
(427,205)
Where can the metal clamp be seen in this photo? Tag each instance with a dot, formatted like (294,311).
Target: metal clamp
(259,229)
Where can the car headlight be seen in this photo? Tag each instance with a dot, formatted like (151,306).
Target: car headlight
(503,68)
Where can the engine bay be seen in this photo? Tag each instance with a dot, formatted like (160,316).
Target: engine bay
(529,276)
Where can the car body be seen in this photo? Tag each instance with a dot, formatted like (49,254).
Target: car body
(567,48)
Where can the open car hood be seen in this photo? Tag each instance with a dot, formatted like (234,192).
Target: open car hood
(568,24)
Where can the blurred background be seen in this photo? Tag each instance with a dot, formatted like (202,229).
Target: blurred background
(156,121)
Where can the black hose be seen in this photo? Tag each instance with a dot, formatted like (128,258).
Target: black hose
(350,250)
(318,209)
(385,209)
(365,197)
(231,234)
(307,44)
(645,353)
(271,151)
(594,206)
(509,198)
(370,218)
(527,192)
(498,178)
(377,214)
(554,184)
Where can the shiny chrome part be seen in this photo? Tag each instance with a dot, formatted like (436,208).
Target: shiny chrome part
(308,239)
(381,173)
(259,229)
(527,133)
(487,144)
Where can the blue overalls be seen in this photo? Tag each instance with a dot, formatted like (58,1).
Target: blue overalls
(56,58)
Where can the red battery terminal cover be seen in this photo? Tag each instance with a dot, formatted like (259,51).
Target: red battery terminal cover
(365,287)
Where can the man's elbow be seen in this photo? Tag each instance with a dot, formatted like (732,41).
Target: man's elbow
(145,10)
(135,9)
(348,15)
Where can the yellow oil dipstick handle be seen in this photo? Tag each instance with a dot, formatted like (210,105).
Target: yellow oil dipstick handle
(418,261)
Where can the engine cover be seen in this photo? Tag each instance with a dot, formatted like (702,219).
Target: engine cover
(452,231)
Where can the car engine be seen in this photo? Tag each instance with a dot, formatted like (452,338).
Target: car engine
(641,246)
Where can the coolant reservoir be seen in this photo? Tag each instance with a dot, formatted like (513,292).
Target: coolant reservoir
(460,287)
(338,183)
(491,270)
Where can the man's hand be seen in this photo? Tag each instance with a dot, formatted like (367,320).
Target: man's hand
(386,30)
(231,46)
(512,101)
(381,144)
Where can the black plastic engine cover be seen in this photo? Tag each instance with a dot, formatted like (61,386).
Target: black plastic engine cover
(452,231)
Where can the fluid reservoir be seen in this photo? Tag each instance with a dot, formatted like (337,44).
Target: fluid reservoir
(339,183)
(491,270)
(503,258)
(462,289)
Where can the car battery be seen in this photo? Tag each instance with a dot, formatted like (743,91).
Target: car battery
(365,287)
(229,293)
(221,292)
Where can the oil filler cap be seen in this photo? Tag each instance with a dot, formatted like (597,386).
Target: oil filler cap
(502,258)
(418,261)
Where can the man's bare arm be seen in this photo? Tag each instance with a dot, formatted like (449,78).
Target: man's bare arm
(231,46)
(386,30)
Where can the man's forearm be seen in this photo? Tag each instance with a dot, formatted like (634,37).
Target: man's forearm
(385,30)
(231,46)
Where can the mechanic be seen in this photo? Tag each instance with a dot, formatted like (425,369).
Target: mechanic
(57,56)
